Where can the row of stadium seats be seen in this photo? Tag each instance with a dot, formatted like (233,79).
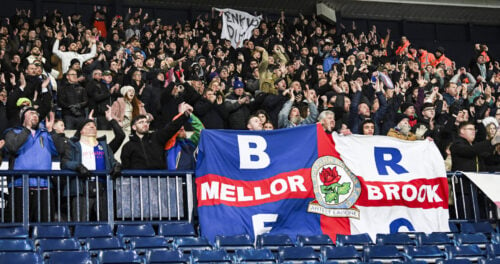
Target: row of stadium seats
(348,254)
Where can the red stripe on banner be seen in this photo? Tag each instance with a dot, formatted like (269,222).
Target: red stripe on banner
(418,193)
(326,147)
(331,226)
(498,204)
(215,189)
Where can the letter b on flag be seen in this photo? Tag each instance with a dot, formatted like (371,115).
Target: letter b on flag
(252,155)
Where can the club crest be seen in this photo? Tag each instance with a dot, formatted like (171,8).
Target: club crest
(336,188)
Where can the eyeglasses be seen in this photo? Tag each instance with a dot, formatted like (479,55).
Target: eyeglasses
(71,74)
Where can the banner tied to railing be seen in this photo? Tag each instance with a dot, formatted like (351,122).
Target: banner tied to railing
(237,26)
(304,181)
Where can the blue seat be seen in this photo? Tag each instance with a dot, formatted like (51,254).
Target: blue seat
(478,239)
(383,253)
(454,261)
(93,231)
(103,243)
(400,240)
(252,255)
(493,251)
(118,256)
(166,256)
(274,241)
(315,242)
(453,227)
(358,241)
(341,253)
(299,254)
(142,230)
(141,244)
(21,257)
(495,238)
(13,232)
(188,244)
(439,239)
(409,262)
(55,231)
(176,229)
(471,252)
(17,245)
(210,256)
(55,244)
(232,243)
(479,227)
(424,253)
(490,261)
(73,257)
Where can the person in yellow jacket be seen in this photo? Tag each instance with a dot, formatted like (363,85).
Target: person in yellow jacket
(266,81)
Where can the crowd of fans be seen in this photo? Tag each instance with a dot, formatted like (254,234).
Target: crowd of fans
(292,71)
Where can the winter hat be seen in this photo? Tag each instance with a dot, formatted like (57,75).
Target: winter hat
(440,49)
(427,105)
(405,106)
(238,84)
(73,61)
(399,117)
(490,120)
(22,100)
(125,89)
(24,110)
(80,127)
(213,75)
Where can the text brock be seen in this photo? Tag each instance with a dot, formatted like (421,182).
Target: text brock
(248,192)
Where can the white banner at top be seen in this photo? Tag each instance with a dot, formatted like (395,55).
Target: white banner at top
(237,25)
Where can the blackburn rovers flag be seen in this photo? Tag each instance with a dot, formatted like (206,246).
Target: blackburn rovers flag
(297,181)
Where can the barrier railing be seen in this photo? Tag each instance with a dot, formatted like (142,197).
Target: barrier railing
(49,197)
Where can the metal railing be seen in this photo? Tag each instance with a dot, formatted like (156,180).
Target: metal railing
(49,197)
(152,196)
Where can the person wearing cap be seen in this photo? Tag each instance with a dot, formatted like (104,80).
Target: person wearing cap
(67,56)
(146,149)
(126,108)
(426,125)
(87,153)
(402,128)
(31,147)
(73,100)
(239,106)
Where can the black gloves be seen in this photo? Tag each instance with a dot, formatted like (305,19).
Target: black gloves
(83,172)
(116,171)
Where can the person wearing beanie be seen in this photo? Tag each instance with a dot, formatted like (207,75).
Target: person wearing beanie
(145,149)
(87,153)
(126,108)
(239,106)
(31,147)
(67,56)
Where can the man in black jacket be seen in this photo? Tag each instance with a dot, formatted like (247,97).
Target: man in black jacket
(146,150)
(98,97)
(468,155)
(73,100)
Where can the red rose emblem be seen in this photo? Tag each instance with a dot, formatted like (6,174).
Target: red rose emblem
(329,176)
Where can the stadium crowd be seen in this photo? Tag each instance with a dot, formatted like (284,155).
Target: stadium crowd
(136,74)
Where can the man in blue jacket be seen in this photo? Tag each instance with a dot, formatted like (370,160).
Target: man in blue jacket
(31,148)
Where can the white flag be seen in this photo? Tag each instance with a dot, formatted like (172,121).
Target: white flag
(237,25)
